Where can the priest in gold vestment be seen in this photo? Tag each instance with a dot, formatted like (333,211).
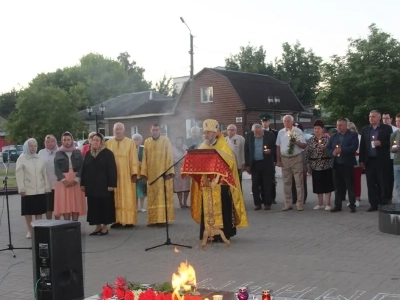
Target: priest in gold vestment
(227,201)
(127,162)
(157,157)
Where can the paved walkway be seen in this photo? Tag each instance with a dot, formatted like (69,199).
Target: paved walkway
(306,255)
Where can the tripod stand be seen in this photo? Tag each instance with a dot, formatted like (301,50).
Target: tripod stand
(168,242)
(10,246)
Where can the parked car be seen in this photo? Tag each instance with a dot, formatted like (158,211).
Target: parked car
(10,153)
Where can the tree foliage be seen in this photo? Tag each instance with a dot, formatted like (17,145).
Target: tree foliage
(97,78)
(42,110)
(366,78)
(7,102)
(165,87)
(298,67)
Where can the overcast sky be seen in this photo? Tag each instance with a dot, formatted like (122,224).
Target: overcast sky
(41,36)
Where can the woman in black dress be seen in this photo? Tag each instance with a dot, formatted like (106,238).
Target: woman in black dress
(99,178)
(319,165)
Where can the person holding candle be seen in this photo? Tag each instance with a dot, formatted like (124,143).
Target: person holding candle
(260,157)
(395,141)
(387,119)
(305,185)
(357,170)
(342,147)
(375,158)
(319,165)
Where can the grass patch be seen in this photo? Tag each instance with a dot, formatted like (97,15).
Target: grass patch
(12,182)
(10,172)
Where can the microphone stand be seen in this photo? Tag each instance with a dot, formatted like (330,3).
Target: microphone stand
(10,246)
(168,241)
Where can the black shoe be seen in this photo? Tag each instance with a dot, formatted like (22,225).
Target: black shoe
(104,233)
(95,232)
(129,226)
(116,225)
(372,208)
(352,210)
(336,209)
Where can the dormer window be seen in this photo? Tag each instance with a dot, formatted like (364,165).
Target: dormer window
(207,94)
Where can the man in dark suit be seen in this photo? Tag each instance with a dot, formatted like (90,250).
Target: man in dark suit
(266,122)
(375,158)
(343,146)
(260,159)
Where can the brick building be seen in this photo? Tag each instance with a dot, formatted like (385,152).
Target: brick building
(230,97)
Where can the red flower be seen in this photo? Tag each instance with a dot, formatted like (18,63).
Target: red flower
(129,295)
(121,282)
(160,296)
(168,296)
(120,292)
(147,295)
(107,292)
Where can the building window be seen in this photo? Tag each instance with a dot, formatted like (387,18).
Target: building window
(164,130)
(221,127)
(207,94)
(102,131)
(134,130)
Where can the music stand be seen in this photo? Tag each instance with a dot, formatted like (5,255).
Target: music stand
(168,241)
(10,246)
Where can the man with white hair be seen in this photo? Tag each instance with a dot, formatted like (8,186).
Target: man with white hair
(289,145)
(387,119)
(127,169)
(195,138)
(236,143)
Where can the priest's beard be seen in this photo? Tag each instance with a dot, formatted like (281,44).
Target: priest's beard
(209,142)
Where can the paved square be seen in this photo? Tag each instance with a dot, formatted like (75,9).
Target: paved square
(307,255)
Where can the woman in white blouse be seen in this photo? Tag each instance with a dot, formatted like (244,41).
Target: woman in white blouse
(48,154)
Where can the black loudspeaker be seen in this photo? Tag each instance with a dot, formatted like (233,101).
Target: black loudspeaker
(57,260)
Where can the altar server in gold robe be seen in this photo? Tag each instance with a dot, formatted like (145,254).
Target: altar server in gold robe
(227,200)
(157,157)
(127,169)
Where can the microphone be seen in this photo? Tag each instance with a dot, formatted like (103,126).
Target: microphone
(192,147)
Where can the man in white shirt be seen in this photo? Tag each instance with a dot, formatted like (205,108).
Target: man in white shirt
(236,143)
(290,158)
(387,119)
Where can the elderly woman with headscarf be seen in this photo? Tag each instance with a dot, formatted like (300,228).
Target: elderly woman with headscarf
(99,178)
(86,147)
(48,154)
(141,184)
(68,197)
(32,183)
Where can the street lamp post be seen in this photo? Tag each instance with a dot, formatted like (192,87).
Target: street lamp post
(274,101)
(102,109)
(191,73)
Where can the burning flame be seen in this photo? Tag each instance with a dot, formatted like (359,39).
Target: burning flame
(185,279)
(176,250)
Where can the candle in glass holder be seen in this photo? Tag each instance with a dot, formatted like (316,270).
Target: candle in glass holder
(337,147)
(265,148)
(394,145)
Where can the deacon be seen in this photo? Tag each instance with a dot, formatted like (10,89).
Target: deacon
(157,158)
(227,201)
(266,122)
(127,169)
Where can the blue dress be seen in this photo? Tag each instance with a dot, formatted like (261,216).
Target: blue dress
(141,185)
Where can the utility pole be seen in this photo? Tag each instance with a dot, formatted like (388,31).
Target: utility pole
(191,80)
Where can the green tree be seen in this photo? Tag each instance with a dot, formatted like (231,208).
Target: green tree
(300,68)
(7,102)
(366,78)
(41,110)
(250,59)
(165,87)
(96,79)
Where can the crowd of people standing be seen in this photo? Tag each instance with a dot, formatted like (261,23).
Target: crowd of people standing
(109,181)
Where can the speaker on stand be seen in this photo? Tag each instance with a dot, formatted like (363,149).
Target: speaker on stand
(57,260)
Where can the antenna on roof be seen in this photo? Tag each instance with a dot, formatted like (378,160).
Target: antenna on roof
(151,95)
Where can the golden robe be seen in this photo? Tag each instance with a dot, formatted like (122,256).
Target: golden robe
(197,196)
(126,158)
(157,157)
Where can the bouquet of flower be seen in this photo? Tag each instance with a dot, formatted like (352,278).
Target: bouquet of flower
(124,290)
(292,139)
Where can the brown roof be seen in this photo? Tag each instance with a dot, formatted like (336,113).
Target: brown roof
(254,89)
